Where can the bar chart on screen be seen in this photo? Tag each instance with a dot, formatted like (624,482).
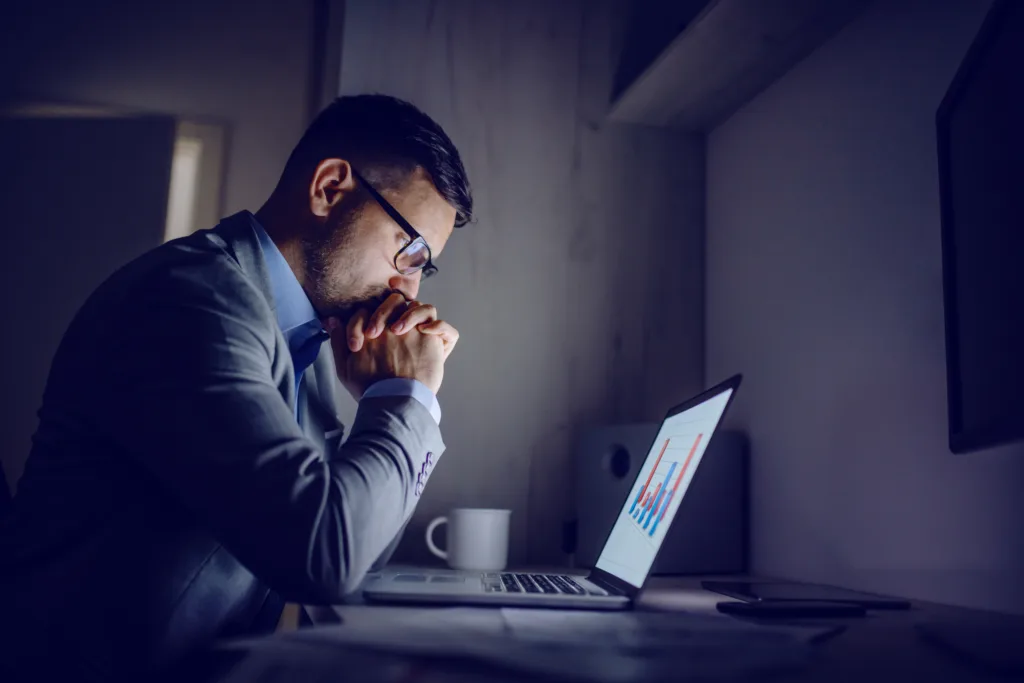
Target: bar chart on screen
(649,504)
(659,489)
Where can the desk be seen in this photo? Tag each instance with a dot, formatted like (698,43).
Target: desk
(927,643)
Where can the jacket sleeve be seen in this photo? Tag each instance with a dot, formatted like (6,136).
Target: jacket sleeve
(385,556)
(198,405)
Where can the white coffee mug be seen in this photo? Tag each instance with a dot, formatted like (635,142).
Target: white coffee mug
(477,538)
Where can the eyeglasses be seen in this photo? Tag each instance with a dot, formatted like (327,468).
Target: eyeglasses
(415,255)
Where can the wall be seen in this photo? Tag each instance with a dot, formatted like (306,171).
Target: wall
(121,170)
(241,64)
(824,287)
(578,291)
(245,64)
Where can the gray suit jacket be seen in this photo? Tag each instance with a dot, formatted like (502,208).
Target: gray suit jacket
(170,489)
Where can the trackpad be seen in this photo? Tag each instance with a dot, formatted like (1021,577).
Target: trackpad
(448,579)
(410,578)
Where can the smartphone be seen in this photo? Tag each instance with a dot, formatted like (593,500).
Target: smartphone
(791,608)
(777,591)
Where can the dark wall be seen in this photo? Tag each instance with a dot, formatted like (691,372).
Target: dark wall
(81,196)
(245,64)
(825,288)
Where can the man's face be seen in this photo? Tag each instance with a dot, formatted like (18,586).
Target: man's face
(350,263)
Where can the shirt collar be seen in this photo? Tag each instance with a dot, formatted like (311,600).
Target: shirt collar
(291,304)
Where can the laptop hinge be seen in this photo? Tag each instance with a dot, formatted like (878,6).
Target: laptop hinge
(612,590)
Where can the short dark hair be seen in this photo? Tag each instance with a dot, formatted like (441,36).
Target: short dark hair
(386,139)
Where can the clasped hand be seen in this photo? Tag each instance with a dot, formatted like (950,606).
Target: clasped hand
(400,339)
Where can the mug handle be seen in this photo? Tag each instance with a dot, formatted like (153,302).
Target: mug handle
(430,537)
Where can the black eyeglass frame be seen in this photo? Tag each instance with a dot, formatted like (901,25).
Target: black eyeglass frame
(428,269)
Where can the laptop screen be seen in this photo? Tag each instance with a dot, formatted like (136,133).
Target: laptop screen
(659,489)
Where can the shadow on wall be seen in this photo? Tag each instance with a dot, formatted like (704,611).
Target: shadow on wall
(69,241)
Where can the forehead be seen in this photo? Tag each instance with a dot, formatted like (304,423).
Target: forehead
(422,205)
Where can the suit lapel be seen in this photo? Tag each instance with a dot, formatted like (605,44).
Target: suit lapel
(242,243)
(318,405)
(322,389)
(240,236)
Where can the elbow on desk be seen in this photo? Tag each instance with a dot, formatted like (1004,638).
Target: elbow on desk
(327,549)
(333,569)
(335,587)
(325,586)
(324,592)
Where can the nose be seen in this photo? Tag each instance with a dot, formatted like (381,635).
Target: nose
(409,285)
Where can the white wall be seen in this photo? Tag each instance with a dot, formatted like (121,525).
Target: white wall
(578,292)
(824,287)
(242,63)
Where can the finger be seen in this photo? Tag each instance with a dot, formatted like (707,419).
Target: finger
(383,313)
(336,329)
(356,331)
(449,335)
(416,315)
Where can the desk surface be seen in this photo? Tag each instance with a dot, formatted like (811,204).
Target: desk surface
(926,643)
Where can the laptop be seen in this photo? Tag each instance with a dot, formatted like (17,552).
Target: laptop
(633,541)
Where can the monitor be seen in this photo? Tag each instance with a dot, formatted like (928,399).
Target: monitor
(981,168)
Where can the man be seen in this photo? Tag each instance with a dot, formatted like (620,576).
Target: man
(188,476)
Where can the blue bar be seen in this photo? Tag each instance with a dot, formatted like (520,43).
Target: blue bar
(661,495)
(650,510)
(643,510)
(668,501)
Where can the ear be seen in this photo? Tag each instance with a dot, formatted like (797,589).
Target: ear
(332,179)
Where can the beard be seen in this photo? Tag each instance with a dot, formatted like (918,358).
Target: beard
(332,267)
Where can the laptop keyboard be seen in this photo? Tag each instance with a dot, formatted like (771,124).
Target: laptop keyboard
(540,583)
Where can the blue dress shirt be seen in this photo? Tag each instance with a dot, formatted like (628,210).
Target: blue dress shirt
(304,334)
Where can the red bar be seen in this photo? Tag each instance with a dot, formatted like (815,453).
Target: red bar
(654,469)
(693,449)
(654,495)
(672,493)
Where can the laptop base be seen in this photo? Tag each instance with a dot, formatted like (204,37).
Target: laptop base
(454,587)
